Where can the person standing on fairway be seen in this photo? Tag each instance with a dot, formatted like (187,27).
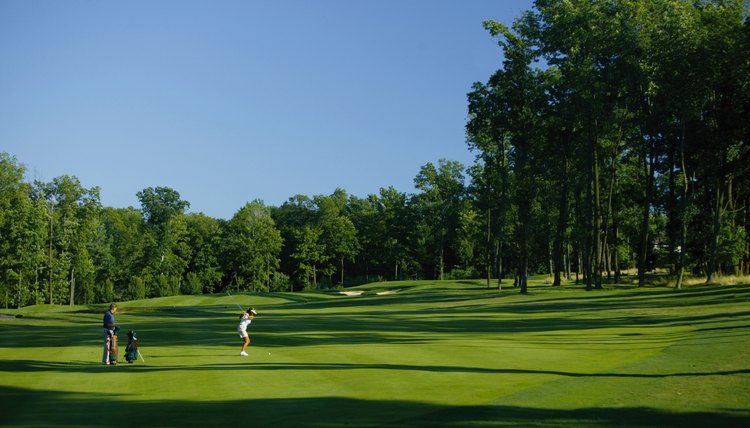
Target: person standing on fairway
(109,332)
(245,319)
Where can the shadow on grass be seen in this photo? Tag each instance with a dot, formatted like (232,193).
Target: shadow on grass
(408,326)
(23,407)
(545,299)
(23,366)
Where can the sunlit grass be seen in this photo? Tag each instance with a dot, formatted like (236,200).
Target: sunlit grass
(426,353)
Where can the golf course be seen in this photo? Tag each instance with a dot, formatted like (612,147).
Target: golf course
(421,353)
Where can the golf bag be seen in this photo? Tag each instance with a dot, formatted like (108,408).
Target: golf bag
(131,351)
(112,346)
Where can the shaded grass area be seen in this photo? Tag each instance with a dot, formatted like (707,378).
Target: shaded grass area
(433,354)
(347,412)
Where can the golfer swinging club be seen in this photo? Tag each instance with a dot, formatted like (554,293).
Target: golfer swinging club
(245,319)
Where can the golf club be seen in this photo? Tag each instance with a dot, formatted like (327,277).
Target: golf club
(238,305)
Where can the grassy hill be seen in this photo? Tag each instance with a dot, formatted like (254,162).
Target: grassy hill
(415,353)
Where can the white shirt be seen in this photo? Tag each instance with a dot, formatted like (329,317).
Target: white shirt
(244,322)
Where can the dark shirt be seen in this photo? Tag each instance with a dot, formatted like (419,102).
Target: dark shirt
(109,320)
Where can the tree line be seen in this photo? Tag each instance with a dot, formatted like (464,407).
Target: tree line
(616,135)
(613,138)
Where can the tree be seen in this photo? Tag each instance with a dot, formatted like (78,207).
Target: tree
(166,252)
(204,237)
(309,254)
(338,234)
(23,231)
(521,89)
(442,190)
(362,212)
(253,244)
(124,235)
(160,204)
(73,222)
(486,133)
(290,218)
(397,231)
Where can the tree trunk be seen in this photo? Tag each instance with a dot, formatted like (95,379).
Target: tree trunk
(18,302)
(607,260)
(503,210)
(72,285)
(648,162)
(551,265)
(588,245)
(610,214)
(562,223)
(597,250)
(499,258)
(51,218)
(342,271)
(523,267)
(714,255)
(683,210)
(590,233)
(746,256)
(442,260)
(488,259)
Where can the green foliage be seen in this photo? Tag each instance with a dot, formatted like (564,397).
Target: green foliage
(281,282)
(205,241)
(253,244)
(192,284)
(161,204)
(107,292)
(136,289)
(732,244)
(439,206)
(613,136)
(164,286)
(309,255)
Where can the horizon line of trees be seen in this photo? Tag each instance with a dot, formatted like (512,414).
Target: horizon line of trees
(614,137)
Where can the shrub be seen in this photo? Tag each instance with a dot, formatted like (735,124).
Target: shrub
(192,284)
(281,282)
(136,289)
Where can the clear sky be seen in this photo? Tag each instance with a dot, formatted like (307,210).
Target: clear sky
(231,101)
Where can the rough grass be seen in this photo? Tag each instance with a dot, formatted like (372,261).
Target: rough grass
(428,354)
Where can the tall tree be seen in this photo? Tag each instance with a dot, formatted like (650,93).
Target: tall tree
(338,233)
(487,134)
(205,240)
(521,88)
(309,254)
(253,244)
(166,253)
(123,231)
(23,230)
(73,223)
(442,189)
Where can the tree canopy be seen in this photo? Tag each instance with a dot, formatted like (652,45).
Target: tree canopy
(612,141)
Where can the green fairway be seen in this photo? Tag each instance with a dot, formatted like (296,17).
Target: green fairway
(428,354)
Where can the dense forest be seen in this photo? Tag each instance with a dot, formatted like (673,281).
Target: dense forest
(613,141)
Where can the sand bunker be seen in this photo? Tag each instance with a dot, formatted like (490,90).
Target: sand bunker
(383,293)
(349,293)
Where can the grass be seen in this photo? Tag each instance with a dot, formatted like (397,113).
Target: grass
(447,353)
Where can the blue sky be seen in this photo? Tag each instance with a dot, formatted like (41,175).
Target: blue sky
(231,101)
